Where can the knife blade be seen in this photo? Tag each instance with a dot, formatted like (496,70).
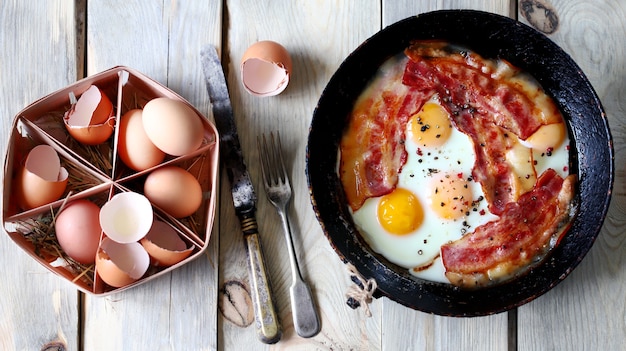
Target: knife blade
(244,198)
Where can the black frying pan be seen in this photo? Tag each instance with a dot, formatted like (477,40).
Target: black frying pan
(492,36)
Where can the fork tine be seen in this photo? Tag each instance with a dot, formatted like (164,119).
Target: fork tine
(272,162)
(278,152)
(274,175)
(260,142)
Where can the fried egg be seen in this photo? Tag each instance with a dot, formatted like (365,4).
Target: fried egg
(436,200)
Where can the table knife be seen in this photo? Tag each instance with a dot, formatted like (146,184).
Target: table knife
(244,198)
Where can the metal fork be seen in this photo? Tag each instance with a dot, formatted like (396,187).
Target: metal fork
(278,189)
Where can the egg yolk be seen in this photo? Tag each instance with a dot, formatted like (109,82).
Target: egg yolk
(451,196)
(400,212)
(431,126)
(547,137)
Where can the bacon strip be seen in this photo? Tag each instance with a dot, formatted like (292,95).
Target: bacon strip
(491,168)
(372,148)
(467,81)
(523,232)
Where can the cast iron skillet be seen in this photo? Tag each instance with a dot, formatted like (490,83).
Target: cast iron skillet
(491,36)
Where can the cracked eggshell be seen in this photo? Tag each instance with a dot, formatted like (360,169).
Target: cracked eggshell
(91,119)
(126,217)
(42,180)
(120,264)
(265,68)
(164,245)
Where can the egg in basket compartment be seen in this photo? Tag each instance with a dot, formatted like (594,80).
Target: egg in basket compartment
(93,173)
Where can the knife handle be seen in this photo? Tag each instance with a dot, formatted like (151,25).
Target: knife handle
(266,319)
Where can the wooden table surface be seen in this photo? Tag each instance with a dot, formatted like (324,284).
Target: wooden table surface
(48,44)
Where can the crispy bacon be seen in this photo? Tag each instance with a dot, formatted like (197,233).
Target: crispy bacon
(468,83)
(491,168)
(522,233)
(372,148)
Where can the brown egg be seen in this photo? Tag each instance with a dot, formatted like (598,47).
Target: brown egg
(172,126)
(265,68)
(121,264)
(164,245)
(135,149)
(91,118)
(78,230)
(42,179)
(174,190)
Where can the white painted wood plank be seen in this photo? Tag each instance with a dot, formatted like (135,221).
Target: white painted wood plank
(162,40)
(37,308)
(394,11)
(406,329)
(318,35)
(586,311)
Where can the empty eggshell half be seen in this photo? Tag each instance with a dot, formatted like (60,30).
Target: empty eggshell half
(42,179)
(265,68)
(164,245)
(90,120)
(120,264)
(126,217)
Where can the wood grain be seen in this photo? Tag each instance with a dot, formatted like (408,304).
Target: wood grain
(586,311)
(37,308)
(318,36)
